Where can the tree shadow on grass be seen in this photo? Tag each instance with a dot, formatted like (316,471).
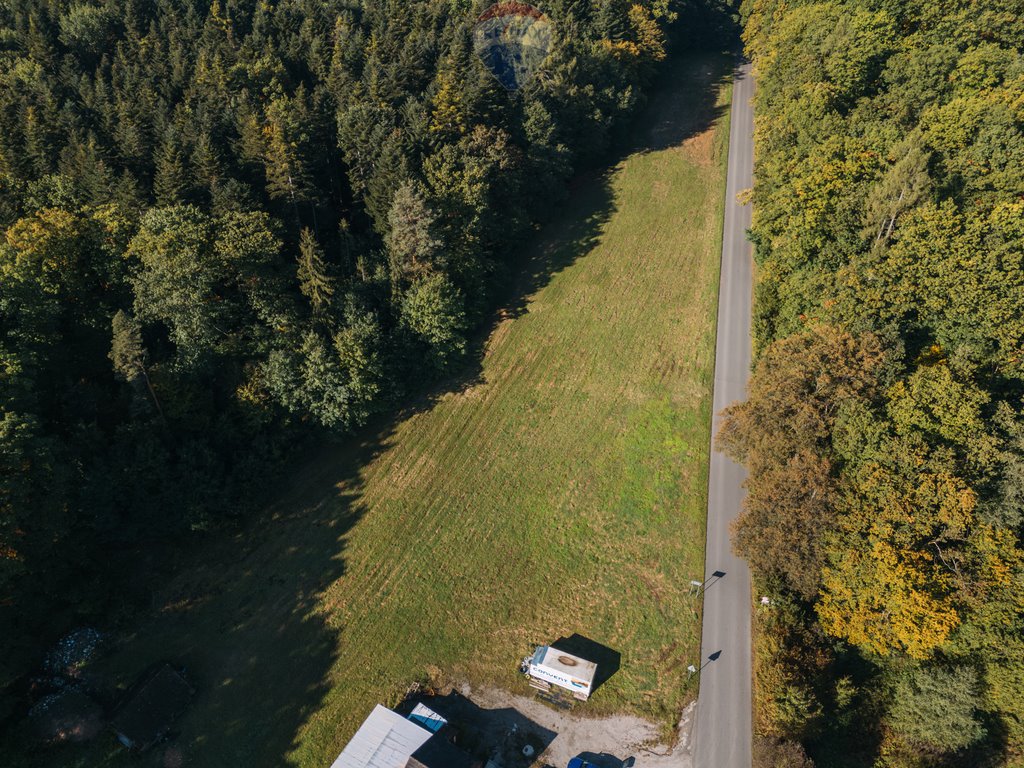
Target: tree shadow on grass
(686,102)
(239,614)
(685,106)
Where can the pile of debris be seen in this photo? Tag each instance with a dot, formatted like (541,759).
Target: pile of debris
(73,651)
(65,716)
(71,704)
(66,705)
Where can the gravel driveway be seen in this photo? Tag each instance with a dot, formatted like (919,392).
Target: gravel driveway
(608,742)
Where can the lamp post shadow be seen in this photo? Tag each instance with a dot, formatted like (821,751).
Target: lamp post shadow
(695,673)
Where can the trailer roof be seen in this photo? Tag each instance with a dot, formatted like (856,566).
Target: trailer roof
(567,664)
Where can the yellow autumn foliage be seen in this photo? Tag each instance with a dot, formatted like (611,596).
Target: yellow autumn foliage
(893,587)
(650,38)
(647,39)
(42,248)
(882,600)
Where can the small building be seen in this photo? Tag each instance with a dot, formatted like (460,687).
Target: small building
(551,666)
(388,740)
(384,740)
(151,707)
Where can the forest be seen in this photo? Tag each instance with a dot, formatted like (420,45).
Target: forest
(884,433)
(235,229)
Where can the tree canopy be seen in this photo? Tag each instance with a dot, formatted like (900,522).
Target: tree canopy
(232,226)
(882,426)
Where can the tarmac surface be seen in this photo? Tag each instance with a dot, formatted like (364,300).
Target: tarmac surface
(723,726)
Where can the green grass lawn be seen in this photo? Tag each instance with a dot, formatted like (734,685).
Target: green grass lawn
(561,491)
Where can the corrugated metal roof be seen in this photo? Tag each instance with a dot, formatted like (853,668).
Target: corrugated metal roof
(384,740)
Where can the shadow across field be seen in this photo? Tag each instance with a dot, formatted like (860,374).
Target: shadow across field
(241,613)
(683,107)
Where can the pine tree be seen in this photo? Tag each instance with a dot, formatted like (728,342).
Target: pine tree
(315,282)
(130,140)
(281,165)
(170,182)
(610,20)
(412,244)
(206,165)
(83,161)
(448,116)
(37,150)
(286,171)
(936,709)
(128,354)
(250,144)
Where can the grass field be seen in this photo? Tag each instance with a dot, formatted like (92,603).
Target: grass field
(560,489)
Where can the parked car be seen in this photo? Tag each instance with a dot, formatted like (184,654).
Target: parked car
(579,762)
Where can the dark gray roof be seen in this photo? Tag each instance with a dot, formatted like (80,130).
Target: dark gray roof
(438,752)
(149,711)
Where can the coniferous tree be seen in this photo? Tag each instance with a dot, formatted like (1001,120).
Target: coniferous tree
(128,354)
(412,244)
(315,282)
(170,181)
(936,709)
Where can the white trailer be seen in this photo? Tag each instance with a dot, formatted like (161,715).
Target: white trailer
(551,666)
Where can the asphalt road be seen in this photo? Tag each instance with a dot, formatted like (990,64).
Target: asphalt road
(722,731)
